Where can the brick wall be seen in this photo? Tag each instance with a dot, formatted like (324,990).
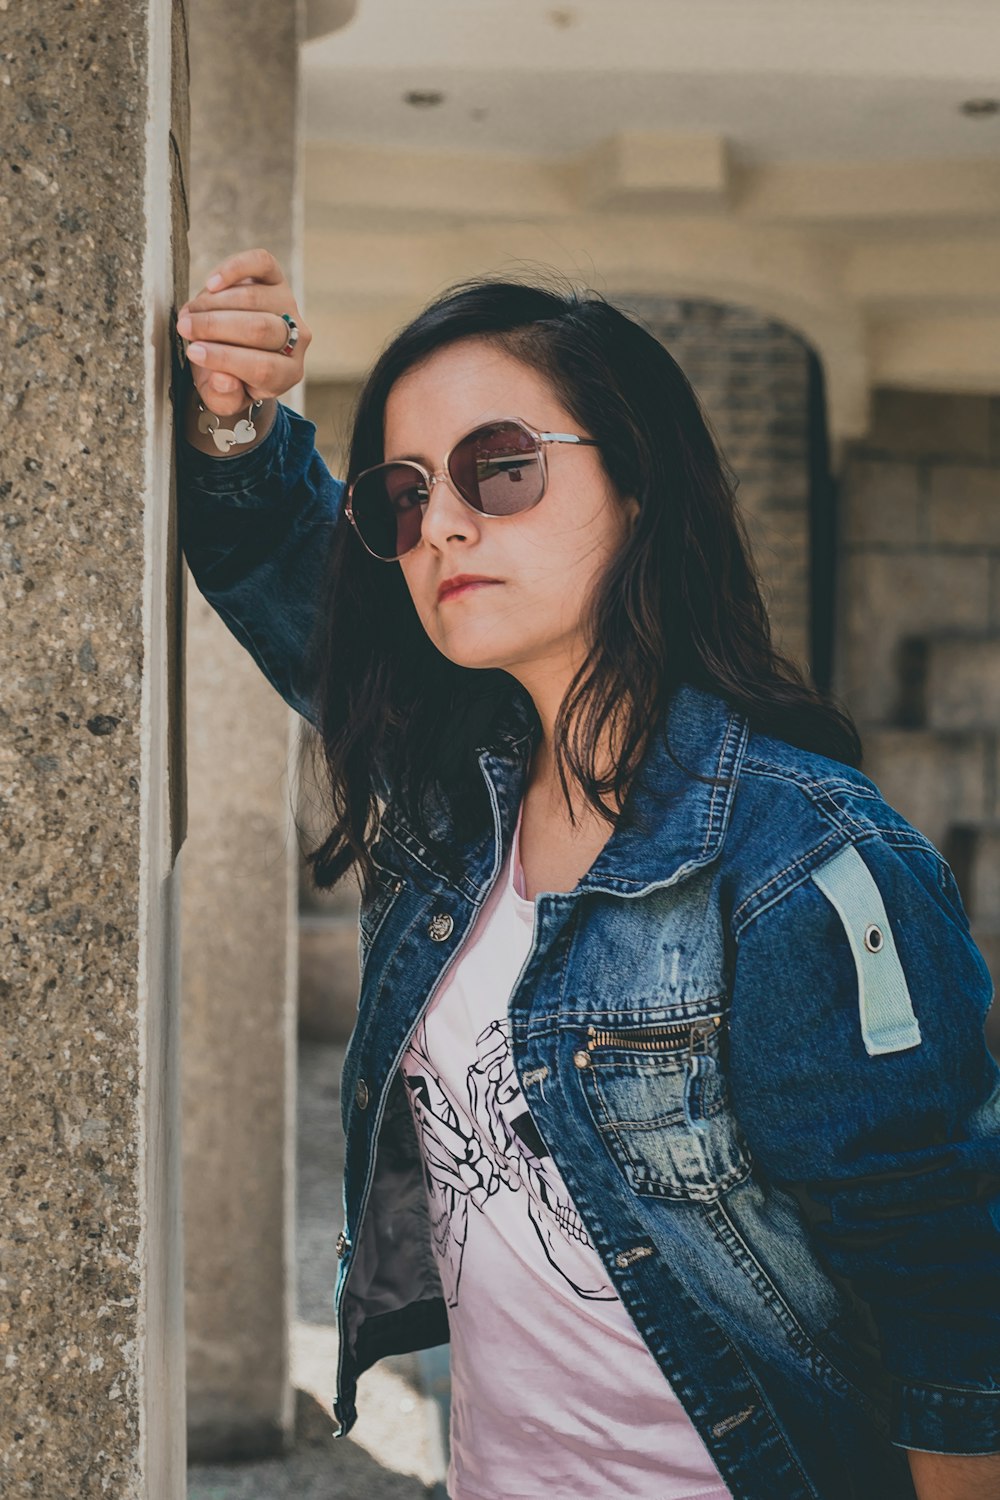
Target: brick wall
(752,376)
(919,628)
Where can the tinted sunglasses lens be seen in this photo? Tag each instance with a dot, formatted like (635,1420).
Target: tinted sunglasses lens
(387,504)
(498,469)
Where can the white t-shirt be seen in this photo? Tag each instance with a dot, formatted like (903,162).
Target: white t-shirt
(554,1394)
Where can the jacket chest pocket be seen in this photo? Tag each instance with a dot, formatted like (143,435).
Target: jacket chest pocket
(659,1100)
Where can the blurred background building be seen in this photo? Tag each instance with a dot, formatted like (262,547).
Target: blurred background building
(802,199)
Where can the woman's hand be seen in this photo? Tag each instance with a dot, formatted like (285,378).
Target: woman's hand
(234,333)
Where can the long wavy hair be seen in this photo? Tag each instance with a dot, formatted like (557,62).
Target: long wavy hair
(680,601)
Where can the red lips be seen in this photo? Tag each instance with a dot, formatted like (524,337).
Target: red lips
(459,581)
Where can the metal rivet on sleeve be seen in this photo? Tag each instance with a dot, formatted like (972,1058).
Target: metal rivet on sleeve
(361,1094)
(873,938)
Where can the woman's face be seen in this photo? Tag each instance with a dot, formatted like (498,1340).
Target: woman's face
(545,561)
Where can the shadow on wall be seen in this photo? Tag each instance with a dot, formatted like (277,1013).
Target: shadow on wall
(324,16)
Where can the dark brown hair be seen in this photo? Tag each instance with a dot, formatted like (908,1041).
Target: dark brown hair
(680,601)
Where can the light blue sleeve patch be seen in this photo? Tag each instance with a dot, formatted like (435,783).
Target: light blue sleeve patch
(888,1023)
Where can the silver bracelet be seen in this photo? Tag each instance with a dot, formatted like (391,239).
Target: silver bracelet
(225,437)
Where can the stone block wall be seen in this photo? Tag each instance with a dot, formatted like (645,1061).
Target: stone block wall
(919,628)
(752,377)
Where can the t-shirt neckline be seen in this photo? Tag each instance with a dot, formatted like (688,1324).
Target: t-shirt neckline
(515,880)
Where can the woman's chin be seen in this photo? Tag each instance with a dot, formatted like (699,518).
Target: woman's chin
(464,653)
(475,663)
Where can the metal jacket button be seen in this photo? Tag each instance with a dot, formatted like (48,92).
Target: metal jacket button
(361,1094)
(582,1058)
(440,926)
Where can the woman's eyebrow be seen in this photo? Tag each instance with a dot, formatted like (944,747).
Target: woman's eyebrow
(407,458)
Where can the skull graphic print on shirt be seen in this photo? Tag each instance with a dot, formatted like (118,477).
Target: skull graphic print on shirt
(487,1145)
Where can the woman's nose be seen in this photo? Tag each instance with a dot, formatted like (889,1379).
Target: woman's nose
(445,513)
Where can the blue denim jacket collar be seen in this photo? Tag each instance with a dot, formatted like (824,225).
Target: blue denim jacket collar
(709,739)
(706,736)
(672,822)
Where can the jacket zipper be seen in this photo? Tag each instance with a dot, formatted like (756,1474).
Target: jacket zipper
(370,1167)
(673,1036)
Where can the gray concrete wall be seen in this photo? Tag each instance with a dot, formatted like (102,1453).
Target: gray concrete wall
(92,803)
(239,889)
(919,613)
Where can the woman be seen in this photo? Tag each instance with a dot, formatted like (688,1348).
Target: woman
(668,1100)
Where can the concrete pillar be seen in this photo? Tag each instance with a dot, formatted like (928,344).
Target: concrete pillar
(91,791)
(239,906)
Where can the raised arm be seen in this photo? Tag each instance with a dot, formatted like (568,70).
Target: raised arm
(255,523)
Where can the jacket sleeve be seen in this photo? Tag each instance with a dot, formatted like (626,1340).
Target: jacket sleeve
(862,1081)
(256,532)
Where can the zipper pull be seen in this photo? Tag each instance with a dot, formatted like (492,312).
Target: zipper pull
(699,1071)
(699,1035)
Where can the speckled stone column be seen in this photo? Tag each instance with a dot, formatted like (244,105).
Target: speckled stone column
(240,861)
(92,142)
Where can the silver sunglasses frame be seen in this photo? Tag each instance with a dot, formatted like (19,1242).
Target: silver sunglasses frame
(429,477)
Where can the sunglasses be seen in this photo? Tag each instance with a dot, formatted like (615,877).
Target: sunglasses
(497,469)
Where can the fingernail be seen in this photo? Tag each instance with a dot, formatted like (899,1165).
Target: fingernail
(197,351)
(214,281)
(184,325)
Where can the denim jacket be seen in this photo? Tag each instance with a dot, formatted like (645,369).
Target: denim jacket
(751,1038)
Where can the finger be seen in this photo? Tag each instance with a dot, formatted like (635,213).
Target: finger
(258,263)
(248,297)
(255,367)
(253,330)
(226,385)
(247,281)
